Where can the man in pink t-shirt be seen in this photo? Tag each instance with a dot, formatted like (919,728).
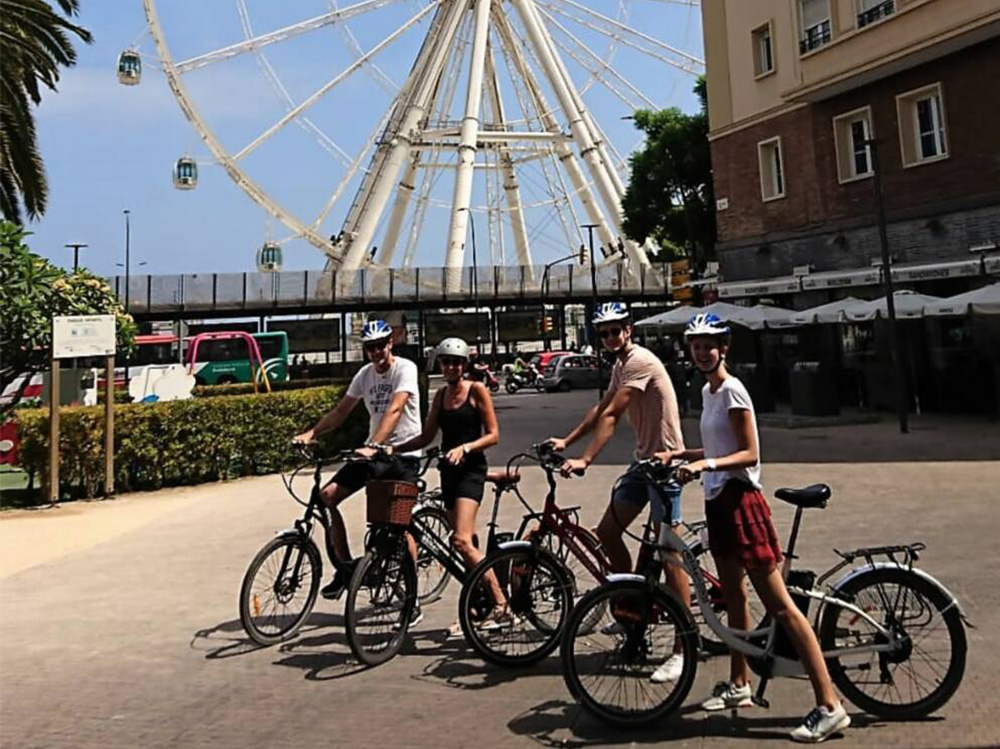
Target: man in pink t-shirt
(641,388)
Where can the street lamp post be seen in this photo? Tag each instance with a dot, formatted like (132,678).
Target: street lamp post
(128,269)
(593,303)
(902,395)
(76,247)
(545,295)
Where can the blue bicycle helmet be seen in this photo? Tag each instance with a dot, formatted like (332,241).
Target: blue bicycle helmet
(375,330)
(706,324)
(610,312)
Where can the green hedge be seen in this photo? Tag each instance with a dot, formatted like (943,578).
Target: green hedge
(246,388)
(182,442)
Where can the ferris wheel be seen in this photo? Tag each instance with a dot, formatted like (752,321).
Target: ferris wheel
(385,132)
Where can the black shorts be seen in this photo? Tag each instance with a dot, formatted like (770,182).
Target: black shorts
(356,474)
(465,480)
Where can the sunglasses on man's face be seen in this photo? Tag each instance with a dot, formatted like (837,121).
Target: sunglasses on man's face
(376,345)
(611,333)
(452,361)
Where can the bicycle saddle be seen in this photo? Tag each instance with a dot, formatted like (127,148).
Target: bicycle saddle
(503,478)
(812,496)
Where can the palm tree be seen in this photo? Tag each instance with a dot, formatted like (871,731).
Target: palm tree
(34,43)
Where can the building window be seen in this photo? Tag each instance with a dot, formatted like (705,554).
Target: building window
(772,170)
(851,132)
(815,24)
(872,11)
(763,51)
(922,128)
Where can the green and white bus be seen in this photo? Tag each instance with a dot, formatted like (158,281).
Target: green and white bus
(223,360)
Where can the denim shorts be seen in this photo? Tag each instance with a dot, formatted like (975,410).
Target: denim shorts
(638,492)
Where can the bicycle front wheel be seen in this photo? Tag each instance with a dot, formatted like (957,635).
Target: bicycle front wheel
(539,596)
(611,669)
(279,589)
(380,598)
(432,577)
(919,675)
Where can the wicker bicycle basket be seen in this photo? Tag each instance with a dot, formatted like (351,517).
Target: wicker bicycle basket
(390,502)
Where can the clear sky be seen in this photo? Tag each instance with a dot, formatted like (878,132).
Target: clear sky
(108,147)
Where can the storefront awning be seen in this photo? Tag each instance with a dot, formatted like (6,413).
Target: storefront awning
(934,271)
(839,279)
(760,287)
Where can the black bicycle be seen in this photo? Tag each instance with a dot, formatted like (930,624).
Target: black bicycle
(386,583)
(282,582)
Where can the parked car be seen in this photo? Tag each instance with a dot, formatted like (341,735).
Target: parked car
(572,371)
(542,359)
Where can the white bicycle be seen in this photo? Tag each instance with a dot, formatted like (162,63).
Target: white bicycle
(892,635)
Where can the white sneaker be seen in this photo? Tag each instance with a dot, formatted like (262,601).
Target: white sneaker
(726,694)
(821,723)
(612,628)
(670,670)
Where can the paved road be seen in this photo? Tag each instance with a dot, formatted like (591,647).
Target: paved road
(119,629)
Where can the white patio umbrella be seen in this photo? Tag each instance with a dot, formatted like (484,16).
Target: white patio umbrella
(831,312)
(678,317)
(909,306)
(983,301)
(763,315)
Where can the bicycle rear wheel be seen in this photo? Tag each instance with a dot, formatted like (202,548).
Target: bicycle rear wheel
(609,669)
(539,595)
(432,577)
(279,589)
(380,598)
(914,679)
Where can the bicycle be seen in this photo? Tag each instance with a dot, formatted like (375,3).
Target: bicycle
(578,549)
(877,624)
(380,591)
(281,584)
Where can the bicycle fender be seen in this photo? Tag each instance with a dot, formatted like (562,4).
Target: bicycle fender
(515,544)
(952,600)
(625,577)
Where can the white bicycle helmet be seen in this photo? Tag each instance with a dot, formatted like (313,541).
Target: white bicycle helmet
(453,347)
(610,312)
(375,330)
(706,324)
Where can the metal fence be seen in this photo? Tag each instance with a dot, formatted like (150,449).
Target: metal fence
(260,292)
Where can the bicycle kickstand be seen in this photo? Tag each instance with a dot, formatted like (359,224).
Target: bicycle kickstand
(759,699)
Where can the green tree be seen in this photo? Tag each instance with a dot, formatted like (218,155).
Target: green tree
(34,45)
(32,291)
(669,197)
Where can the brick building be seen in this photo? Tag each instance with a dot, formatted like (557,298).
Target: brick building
(798,88)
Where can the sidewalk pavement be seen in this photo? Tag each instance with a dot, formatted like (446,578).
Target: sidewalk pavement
(120,628)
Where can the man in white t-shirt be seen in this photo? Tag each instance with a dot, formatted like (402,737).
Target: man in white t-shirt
(389,388)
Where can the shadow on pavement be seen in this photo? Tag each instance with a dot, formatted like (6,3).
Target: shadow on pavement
(458,667)
(563,724)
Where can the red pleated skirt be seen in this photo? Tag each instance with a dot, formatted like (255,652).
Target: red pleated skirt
(740,526)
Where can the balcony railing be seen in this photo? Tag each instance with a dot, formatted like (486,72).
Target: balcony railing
(815,37)
(876,13)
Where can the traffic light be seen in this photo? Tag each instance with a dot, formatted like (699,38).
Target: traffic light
(547,324)
(583,255)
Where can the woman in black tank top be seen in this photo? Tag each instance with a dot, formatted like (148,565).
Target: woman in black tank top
(463,410)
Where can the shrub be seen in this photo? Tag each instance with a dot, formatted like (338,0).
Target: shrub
(246,388)
(182,442)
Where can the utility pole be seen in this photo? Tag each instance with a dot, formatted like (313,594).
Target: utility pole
(128,265)
(902,392)
(593,304)
(76,247)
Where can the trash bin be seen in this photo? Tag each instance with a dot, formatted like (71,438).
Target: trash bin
(813,389)
(758,383)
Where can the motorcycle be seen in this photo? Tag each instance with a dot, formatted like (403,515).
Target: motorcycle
(484,375)
(525,378)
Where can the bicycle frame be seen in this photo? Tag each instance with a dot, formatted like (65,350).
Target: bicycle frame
(741,640)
